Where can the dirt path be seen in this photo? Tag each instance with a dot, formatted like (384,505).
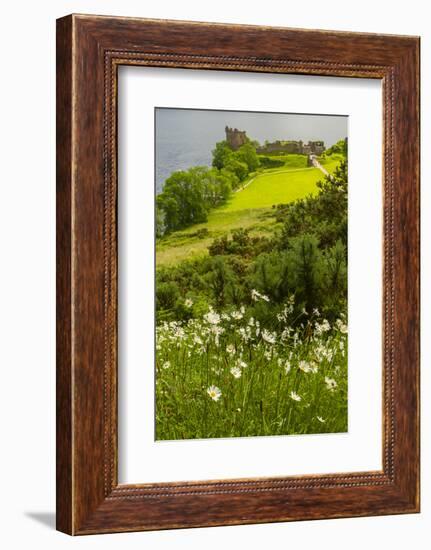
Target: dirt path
(246,185)
(317,164)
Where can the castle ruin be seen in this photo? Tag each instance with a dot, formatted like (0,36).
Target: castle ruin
(298,147)
(235,137)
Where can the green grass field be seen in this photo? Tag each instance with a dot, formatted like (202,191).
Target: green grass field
(247,209)
(275,187)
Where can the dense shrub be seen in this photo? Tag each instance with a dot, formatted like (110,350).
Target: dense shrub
(240,243)
(268,162)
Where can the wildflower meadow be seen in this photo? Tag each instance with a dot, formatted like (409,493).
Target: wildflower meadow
(224,376)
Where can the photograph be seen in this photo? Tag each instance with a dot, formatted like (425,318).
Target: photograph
(251,327)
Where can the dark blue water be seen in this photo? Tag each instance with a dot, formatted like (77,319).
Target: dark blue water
(180,154)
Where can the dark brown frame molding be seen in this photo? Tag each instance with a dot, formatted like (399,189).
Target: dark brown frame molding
(89,51)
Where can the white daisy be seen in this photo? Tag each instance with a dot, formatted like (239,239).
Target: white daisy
(214,392)
(342,327)
(235,372)
(230,349)
(269,336)
(295,396)
(237,315)
(331,384)
(212,317)
(304,366)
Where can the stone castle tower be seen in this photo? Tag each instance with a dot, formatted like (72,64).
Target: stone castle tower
(235,137)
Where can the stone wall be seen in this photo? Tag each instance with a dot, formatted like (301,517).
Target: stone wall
(298,147)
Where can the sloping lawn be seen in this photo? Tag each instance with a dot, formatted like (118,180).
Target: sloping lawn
(276,187)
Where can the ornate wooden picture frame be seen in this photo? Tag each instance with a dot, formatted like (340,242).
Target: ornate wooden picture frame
(89,51)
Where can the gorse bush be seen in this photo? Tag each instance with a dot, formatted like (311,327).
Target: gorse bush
(240,243)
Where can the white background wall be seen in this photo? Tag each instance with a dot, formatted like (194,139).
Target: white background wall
(27,279)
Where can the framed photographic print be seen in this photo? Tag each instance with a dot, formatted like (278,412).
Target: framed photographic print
(237,274)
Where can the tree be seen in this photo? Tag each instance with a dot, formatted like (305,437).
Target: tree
(307,270)
(188,196)
(160,221)
(271,275)
(340,148)
(247,154)
(221,154)
(183,199)
(217,187)
(168,205)
(220,278)
(237,167)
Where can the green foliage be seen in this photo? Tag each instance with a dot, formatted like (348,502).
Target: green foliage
(339,147)
(160,222)
(167,295)
(189,195)
(202,233)
(268,162)
(324,215)
(306,262)
(220,279)
(271,275)
(317,278)
(290,160)
(241,244)
(221,154)
(240,162)
(237,167)
(247,154)
(307,258)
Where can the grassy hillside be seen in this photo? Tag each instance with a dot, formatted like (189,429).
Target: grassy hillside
(247,209)
(275,187)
